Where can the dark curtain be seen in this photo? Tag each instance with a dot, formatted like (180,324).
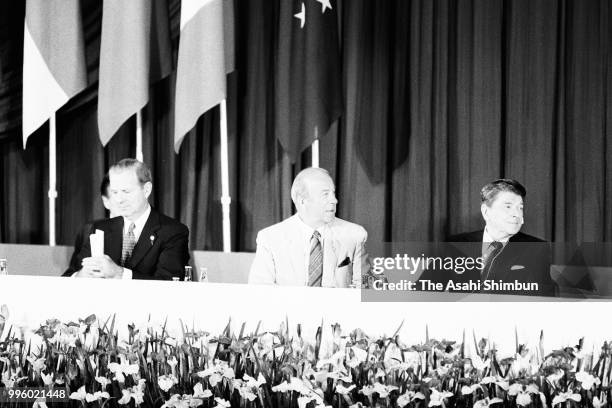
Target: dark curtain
(443,96)
(440,97)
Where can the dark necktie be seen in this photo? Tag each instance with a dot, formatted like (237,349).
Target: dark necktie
(129,241)
(315,265)
(494,249)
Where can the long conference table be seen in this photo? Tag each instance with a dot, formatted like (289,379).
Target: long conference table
(32,298)
(43,260)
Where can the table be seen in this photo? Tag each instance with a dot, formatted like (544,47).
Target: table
(209,306)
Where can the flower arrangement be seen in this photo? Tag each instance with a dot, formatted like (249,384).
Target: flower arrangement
(151,368)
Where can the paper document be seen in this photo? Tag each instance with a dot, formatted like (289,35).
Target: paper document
(96,242)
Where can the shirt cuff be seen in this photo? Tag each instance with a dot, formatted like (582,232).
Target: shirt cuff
(127,274)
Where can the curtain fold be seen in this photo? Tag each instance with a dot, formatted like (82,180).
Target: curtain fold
(530,107)
(439,97)
(24,206)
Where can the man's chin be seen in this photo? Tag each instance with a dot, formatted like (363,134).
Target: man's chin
(513,231)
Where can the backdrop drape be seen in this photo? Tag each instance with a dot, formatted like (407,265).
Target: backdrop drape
(439,97)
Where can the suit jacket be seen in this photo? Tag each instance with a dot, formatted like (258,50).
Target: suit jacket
(75,261)
(281,249)
(524,258)
(161,253)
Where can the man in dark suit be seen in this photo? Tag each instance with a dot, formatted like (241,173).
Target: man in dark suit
(140,243)
(507,255)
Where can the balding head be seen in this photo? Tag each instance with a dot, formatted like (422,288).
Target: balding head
(314,196)
(299,187)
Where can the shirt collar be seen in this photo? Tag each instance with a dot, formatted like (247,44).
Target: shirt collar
(307,230)
(486,237)
(487,240)
(139,223)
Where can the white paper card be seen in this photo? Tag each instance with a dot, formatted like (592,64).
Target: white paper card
(96,242)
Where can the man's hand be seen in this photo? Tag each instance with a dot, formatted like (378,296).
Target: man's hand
(100,267)
(88,272)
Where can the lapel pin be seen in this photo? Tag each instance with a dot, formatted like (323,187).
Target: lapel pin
(152,238)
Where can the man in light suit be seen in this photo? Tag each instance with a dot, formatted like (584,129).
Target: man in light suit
(141,243)
(312,247)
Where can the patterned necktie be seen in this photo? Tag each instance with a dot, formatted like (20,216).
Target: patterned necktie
(494,249)
(315,266)
(129,241)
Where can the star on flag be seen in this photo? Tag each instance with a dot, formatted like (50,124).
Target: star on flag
(301,16)
(325,4)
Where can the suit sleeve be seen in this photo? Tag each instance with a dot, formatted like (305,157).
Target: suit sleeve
(361,262)
(81,250)
(262,270)
(173,256)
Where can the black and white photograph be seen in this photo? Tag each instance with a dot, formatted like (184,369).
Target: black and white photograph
(305,203)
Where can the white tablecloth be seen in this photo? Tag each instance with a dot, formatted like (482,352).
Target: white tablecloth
(208,306)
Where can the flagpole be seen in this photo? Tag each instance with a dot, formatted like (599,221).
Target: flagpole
(52,179)
(225,196)
(139,155)
(315,148)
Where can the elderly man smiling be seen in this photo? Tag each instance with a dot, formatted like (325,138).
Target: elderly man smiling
(508,255)
(313,247)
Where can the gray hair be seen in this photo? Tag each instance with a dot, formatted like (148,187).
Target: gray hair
(142,170)
(299,187)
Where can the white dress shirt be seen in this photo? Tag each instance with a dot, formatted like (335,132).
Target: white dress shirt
(487,240)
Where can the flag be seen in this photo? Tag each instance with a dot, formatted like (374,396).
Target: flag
(134,52)
(205,56)
(308,90)
(53,60)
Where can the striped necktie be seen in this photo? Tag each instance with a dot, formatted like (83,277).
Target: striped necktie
(494,249)
(129,241)
(315,265)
